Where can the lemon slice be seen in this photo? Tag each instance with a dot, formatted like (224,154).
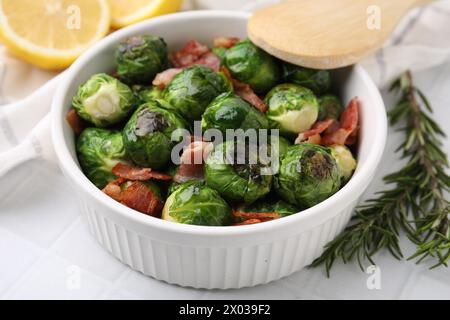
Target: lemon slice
(126,12)
(51,34)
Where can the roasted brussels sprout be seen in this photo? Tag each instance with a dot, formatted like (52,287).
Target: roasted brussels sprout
(235,170)
(146,94)
(194,203)
(192,90)
(345,161)
(140,58)
(308,175)
(103,101)
(250,64)
(319,81)
(292,109)
(281,207)
(330,107)
(148,134)
(280,145)
(229,111)
(99,150)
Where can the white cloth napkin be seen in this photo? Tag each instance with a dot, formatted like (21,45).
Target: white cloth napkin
(420,41)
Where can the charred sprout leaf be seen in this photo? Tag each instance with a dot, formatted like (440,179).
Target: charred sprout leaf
(249,64)
(140,58)
(99,150)
(330,107)
(148,134)
(308,175)
(192,90)
(416,202)
(229,111)
(319,81)
(194,203)
(104,101)
(292,109)
(235,170)
(345,160)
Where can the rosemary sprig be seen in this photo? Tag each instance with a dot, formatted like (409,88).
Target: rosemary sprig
(415,203)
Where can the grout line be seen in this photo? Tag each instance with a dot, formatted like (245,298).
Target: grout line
(109,291)
(45,252)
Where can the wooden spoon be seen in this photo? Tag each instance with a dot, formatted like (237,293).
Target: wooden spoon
(326,34)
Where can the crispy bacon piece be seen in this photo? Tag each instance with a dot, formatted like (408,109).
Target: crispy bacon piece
(245,92)
(138,174)
(164,78)
(256,215)
(192,160)
(187,56)
(136,196)
(76,123)
(247,222)
(139,197)
(210,60)
(114,190)
(315,139)
(315,131)
(348,126)
(227,73)
(225,42)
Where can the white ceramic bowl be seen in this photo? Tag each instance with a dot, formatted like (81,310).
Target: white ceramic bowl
(213,257)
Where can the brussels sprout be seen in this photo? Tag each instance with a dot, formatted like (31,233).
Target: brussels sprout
(235,171)
(292,109)
(146,94)
(99,150)
(330,107)
(140,58)
(147,135)
(250,64)
(345,161)
(308,175)
(281,207)
(103,100)
(194,203)
(192,90)
(280,145)
(319,81)
(229,111)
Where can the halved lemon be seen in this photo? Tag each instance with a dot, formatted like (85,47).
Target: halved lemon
(126,12)
(51,34)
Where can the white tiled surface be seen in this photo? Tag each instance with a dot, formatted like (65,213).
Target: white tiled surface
(47,252)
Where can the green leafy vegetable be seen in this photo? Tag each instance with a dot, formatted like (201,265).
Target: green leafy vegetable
(250,64)
(148,134)
(192,90)
(104,101)
(229,111)
(319,81)
(416,202)
(99,150)
(330,107)
(194,203)
(140,58)
(235,170)
(308,175)
(292,109)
